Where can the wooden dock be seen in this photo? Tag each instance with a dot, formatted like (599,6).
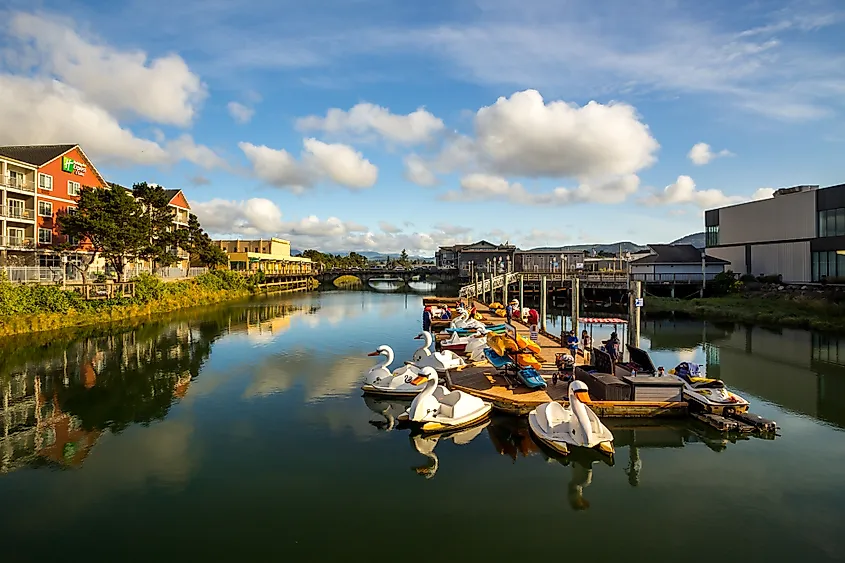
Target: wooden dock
(483,381)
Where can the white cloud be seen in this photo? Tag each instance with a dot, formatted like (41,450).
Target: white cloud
(485,187)
(685,191)
(389,228)
(524,135)
(338,163)
(259,217)
(162,90)
(341,163)
(239,112)
(700,154)
(762,193)
(417,171)
(364,119)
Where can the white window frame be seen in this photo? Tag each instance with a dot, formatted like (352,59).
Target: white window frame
(40,187)
(49,238)
(16,233)
(72,184)
(40,203)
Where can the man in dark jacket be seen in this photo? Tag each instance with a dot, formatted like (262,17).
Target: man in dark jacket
(427,319)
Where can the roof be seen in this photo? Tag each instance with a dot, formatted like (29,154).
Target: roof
(676,254)
(551,250)
(37,155)
(171,193)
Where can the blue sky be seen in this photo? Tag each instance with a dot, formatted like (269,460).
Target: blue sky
(382,125)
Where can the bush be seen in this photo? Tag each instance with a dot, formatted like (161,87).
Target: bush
(220,280)
(747,278)
(775,278)
(16,299)
(148,288)
(724,283)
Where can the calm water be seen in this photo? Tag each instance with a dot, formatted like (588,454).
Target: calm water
(239,433)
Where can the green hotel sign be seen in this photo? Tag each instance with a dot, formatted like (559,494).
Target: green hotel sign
(73,167)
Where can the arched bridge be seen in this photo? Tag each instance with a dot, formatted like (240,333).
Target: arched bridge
(414,274)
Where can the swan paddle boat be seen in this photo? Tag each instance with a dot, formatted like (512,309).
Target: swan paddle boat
(440,361)
(399,382)
(709,394)
(436,409)
(559,427)
(458,344)
(463,321)
(425,444)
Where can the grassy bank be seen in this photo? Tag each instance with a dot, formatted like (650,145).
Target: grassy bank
(775,310)
(34,308)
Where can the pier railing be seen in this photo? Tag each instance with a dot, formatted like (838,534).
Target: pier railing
(487,285)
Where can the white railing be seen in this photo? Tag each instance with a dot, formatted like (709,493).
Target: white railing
(17,242)
(484,286)
(46,274)
(17,212)
(15,184)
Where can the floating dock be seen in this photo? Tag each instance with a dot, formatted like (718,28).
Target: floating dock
(484,382)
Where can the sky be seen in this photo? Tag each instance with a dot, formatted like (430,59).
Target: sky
(387,125)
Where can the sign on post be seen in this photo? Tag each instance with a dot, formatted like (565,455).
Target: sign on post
(638,302)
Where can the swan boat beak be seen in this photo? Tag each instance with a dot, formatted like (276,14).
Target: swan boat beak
(376,353)
(418,337)
(583,396)
(606,447)
(419,380)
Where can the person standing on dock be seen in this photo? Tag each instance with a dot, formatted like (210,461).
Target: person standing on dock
(586,344)
(427,319)
(572,343)
(509,310)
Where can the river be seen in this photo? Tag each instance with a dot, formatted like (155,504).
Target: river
(239,433)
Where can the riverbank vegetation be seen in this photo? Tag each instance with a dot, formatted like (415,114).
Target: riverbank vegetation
(34,308)
(775,305)
(347,282)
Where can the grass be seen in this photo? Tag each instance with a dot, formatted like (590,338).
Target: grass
(26,314)
(767,310)
(347,281)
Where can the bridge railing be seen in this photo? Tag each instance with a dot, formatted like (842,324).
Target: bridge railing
(485,286)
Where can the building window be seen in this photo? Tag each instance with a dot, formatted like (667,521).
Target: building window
(712,236)
(829,265)
(45,182)
(45,236)
(72,188)
(16,179)
(832,222)
(45,209)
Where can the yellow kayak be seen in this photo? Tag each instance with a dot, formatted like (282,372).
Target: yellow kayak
(527,361)
(496,305)
(526,344)
(501,344)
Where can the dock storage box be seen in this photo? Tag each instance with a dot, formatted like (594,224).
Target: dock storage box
(653,388)
(603,386)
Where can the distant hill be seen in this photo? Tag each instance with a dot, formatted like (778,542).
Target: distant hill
(695,239)
(626,246)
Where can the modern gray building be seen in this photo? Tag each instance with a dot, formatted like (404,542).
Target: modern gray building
(799,233)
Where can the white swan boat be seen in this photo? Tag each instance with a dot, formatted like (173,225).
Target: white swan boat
(436,409)
(463,321)
(425,444)
(440,361)
(459,344)
(399,382)
(559,427)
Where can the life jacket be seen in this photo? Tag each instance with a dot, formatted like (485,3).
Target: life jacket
(533,317)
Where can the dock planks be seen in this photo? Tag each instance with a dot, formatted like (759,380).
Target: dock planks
(483,381)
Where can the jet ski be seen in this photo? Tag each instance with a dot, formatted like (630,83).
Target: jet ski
(709,394)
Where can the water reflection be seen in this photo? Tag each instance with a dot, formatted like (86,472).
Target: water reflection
(425,444)
(388,409)
(60,395)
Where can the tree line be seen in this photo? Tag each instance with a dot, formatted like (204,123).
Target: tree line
(355,260)
(125,226)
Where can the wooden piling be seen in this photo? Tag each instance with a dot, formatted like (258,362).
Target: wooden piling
(543,303)
(521,300)
(576,303)
(482,292)
(634,313)
(505,291)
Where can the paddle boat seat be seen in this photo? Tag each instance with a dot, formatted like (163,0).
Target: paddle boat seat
(704,383)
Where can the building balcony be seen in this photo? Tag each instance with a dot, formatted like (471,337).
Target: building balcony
(17,243)
(17,213)
(19,185)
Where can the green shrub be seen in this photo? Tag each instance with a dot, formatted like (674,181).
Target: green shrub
(220,280)
(148,288)
(776,278)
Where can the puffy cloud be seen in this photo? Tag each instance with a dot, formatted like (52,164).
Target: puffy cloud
(239,112)
(339,163)
(199,180)
(685,191)
(258,217)
(762,193)
(700,154)
(163,90)
(366,119)
(525,136)
(485,187)
(389,227)
(417,171)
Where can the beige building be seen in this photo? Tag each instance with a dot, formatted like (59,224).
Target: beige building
(798,234)
(17,209)
(272,256)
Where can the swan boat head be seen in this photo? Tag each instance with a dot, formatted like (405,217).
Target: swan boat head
(380,371)
(579,398)
(425,402)
(423,350)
